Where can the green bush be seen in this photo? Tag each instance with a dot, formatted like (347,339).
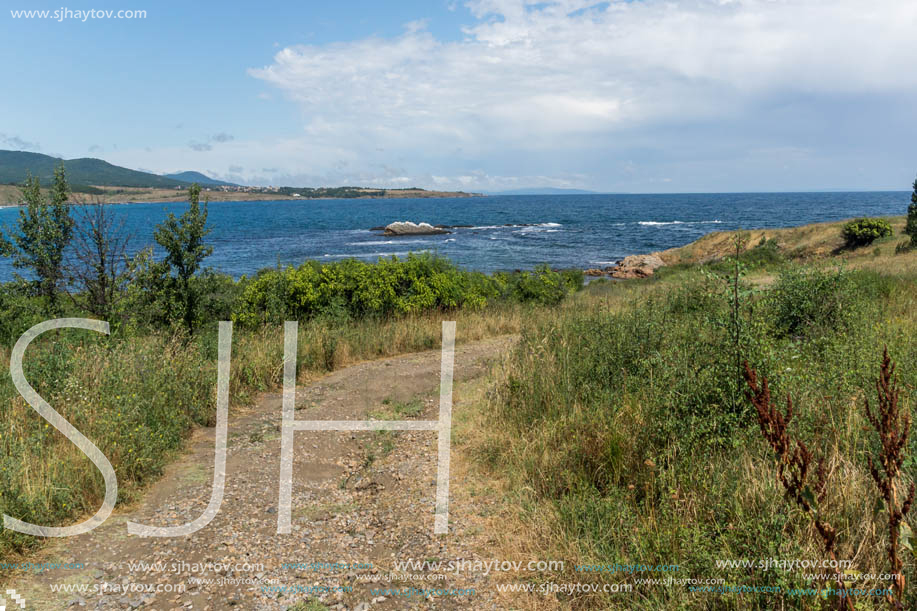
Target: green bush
(390,287)
(864,231)
(808,299)
(543,285)
(355,289)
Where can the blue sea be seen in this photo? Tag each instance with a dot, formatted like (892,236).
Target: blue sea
(503,233)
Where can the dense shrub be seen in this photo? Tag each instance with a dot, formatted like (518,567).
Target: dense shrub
(543,286)
(808,299)
(390,287)
(864,231)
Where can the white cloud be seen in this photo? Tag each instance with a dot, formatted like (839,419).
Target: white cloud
(531,75)
(17,143)
(710,94)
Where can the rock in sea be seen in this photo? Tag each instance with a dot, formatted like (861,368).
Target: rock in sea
(409,228)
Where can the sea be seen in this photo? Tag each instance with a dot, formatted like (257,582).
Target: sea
(494,232)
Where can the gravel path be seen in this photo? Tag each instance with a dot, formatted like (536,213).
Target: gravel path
(361,501)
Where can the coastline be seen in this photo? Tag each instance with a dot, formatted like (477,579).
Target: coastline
(808,241)
(9,195)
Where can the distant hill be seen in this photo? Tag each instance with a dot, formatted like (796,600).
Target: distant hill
(15,166)
(201,179)
(543,191)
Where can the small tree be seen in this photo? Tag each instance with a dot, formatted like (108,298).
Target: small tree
(865,231)
(100,268)
(911,227)
(45,229)
(183,240)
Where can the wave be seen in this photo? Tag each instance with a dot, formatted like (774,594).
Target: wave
(512,226)
(385,242)
(543,228)
(363,255)
(655,223)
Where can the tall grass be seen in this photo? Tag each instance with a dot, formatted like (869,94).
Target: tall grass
(615,423)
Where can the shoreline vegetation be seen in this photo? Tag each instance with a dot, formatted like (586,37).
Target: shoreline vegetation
(9,194)
(618,429)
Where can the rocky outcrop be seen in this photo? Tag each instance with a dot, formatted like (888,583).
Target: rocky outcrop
(634,266)
(637,266)
(409,228)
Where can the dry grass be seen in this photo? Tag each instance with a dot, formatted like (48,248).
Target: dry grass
(815,241)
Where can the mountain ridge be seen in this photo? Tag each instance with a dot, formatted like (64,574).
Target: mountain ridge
(192,176)
(15,166)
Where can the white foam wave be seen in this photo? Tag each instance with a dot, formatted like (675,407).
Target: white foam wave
(384,242)
(363,255)
(656,223)
(513,226)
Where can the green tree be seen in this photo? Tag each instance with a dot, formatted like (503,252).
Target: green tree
(911,227)
(45,228)
(99,267)
(183,240)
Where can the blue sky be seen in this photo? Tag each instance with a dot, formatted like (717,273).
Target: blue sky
(647,96)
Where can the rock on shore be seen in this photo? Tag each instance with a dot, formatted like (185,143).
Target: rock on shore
(637,266)
(409,228)
(634,266)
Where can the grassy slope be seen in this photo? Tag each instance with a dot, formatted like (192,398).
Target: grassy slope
(818,240)
(619,433)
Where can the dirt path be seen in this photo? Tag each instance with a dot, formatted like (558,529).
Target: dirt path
(361,501)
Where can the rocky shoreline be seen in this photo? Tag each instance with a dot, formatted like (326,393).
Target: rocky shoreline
(634,266)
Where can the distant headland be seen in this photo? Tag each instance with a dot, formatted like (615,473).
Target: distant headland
(97,180)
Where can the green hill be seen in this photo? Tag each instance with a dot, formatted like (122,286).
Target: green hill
(201,179)
(15,166)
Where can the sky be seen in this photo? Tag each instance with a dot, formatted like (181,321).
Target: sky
(626,96)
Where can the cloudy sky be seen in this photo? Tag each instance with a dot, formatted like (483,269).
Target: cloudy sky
(637,96)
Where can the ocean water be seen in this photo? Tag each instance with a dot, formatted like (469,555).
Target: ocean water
(505,233)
